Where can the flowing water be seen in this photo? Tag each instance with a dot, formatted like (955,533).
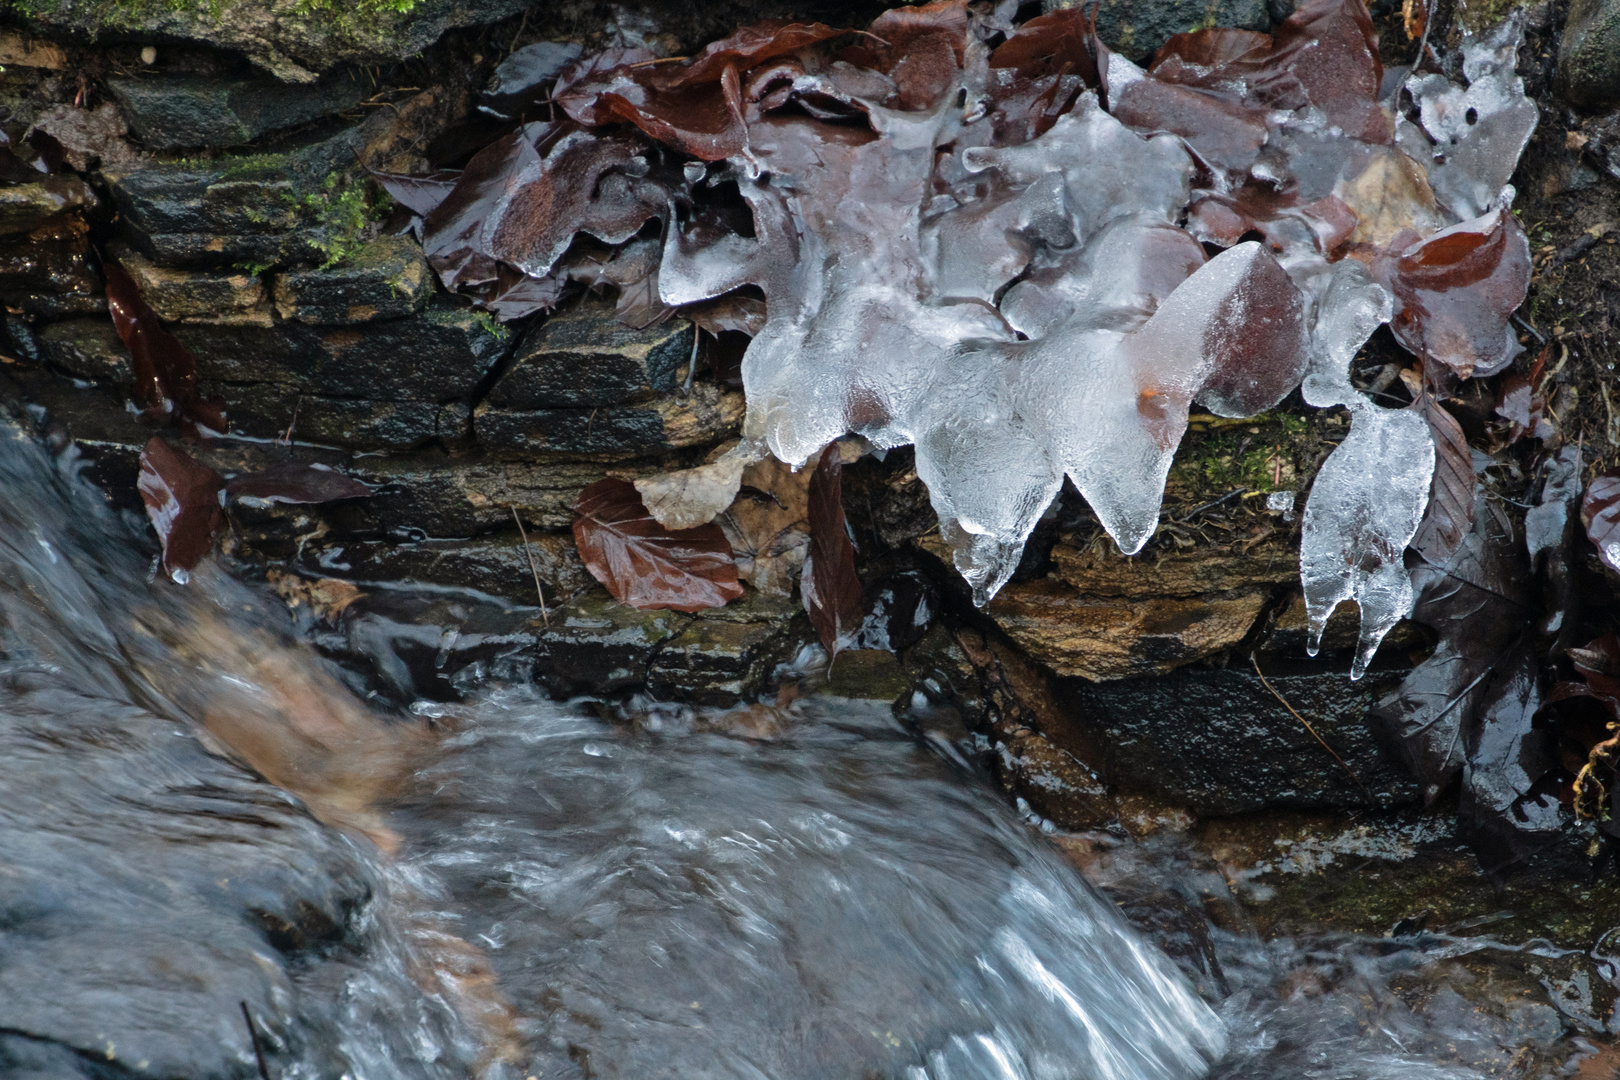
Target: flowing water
(509,886)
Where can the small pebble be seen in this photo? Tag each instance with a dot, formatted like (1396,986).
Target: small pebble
(149,56)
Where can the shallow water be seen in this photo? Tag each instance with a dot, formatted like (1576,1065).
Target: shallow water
(515,887)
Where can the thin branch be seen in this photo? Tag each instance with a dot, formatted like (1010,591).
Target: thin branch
(1348,771)
(258,1048)
(533,568)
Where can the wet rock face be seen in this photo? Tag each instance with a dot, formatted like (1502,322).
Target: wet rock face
(1137,27)
(167,113)
(1589,55)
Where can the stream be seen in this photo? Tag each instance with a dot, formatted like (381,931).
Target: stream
(217,861)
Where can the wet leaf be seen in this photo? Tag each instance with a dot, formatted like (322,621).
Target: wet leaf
(294,483)
(644,564)
(165,372)
(182,500)
(768,525)
(742,314)
(1600,514)
(421,195)
(830,589)
(1450,512)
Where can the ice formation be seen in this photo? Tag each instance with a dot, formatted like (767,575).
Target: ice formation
(990,241)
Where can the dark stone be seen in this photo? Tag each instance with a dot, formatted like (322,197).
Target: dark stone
(726,655)
(387,279)
(498,565)
(705,417)
(868,673)
(440,355)
(1219,742)
(87,349)
(596,645)
(268,410)
(1589,54)
(169,112)
(1137,27)
(583,357)
(25,207)
(195,294)
(49,273)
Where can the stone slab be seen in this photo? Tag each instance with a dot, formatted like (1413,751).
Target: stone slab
(583,357)
(171,112)
(596,645)
(196,294)
(387,279)
(706,416)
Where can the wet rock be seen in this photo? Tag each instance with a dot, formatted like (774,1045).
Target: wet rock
(596,645)
(386,279)
(1137,27)
(290,39)
(583,357)
(25,207)
(1589,54)
(90,138)
(87,349)
(440,355)
(498,565)
(725,655)
(169,112)
(1219,742)
(49,273)
(272,410)
(706,416)
(237,298)
(873,674)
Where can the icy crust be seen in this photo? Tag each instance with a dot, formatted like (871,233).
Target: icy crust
(998,252)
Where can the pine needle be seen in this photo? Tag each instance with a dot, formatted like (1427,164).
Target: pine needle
(1348,771)
(533,569)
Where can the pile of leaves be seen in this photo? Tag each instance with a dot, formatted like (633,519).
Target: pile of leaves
(1028,256)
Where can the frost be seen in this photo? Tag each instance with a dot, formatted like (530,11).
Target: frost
(1365,507)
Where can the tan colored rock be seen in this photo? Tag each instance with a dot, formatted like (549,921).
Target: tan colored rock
(1193,573)
(200,295)
(1101,638)
(25,207)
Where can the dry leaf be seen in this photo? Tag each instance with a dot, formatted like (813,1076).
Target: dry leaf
(686,498)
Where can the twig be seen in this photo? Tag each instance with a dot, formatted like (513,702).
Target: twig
(258,1049)
(1348,771)
(691,365)
(287,438)
(1195,511)
(533,569)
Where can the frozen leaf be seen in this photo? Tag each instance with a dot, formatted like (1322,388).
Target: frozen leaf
(421,195)
(1522,401)
(1328,51)
(1364,508)
(1502,815)
(1351,307)
(1471,139)
(1477,604)
(920,49)
(644,564)
(1451,493)
(182,499)
(1389,195)
(687,498)
(1225,134)
(1600,514)
(165,371)
(831,592)
(768,525)
(742,314)
(519,81)
(1547,524)
(294,483)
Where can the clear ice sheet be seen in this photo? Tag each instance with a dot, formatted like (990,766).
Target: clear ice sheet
(1364,508)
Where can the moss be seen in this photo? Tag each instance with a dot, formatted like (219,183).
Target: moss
(347,16)
(1263,453)
(487,321)
(341,214)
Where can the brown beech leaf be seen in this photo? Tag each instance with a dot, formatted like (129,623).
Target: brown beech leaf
(1450,512)
(830,589)
(1329,50)
(921,48)
(645,565)
(1522,401)
(182,499)
(768,525)
(1456,290)
(743,314)
(687,498)
(165,372)
(421,195)
(1600,514)
(295,483)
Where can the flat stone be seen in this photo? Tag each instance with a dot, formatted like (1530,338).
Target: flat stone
(497,565)
(1055,783)
(25,207)
(440,355)
(596,645)
(1589,53)
(170,112)
(1137,27)
(50,273)
(387,279)
(1219,742)
(196,294)
(1198,572)
(706,416)
(583,357)
(87,348)
(873,674)
(717,662)
(267,410)
(1115,638)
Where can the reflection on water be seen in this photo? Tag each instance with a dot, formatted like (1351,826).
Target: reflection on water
(514,887)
